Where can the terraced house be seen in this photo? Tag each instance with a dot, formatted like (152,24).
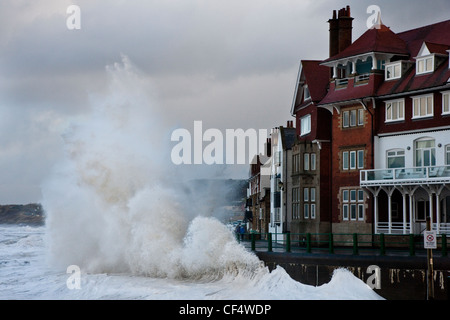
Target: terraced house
(387,125)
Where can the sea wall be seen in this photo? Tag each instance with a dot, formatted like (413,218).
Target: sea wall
(399,277)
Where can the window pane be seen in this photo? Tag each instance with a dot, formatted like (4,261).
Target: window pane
(345,119)
(313,194)
(360,117)
(313,161)
(305,194)
(416,107)
(360,195)
(360,159)
(397,70)
(313,211)
(353,211)
(447,155)
(429,64)
(353,118)
(345,211)
(352,195)
(306,161)
(345,195)
(306,210)
(420,66)
(345,160)
(352,159)
(445,103)
(389,111)
(429,105)
(360,212)
(401,109)
(422,106)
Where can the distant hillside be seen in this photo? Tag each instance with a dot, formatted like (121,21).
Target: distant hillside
(31,214)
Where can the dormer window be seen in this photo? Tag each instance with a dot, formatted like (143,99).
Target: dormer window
(393,70)
(425,64)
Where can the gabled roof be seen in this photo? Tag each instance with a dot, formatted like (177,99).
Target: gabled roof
(438,33)
(317,78)
(374,40)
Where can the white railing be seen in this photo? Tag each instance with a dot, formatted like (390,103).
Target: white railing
(342,82)
(362,77)
(401,175)
(396,228)
(404,228)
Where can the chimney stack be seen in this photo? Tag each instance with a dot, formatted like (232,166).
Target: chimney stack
(340,31)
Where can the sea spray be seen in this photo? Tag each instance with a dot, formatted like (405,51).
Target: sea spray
(116,204)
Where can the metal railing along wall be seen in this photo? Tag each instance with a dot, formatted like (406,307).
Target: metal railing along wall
(343,243)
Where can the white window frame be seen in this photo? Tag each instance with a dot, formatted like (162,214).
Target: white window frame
(390,72)
(306,162)
(346,119)
(395,153)
(352,160)
(422,61)
(399,105)
(305,125)
(360,160)
(446,102)
(345,160)
(417,105)
(447,155)
(360,117)
(313,161)
(353,118)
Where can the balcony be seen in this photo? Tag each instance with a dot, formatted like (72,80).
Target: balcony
(405,176)
(357,80)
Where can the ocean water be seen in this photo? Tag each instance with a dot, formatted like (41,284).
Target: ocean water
(132,223)
(25,274)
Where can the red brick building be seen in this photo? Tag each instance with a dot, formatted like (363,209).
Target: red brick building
(380,129)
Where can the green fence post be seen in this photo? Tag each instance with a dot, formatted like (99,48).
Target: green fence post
(444,245)
(382,245)
(288,242)
(355,243)
(411,245)
(308,242)
(330,243)
(269,242)
(253,241)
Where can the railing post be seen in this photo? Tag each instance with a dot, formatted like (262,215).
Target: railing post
(288,242)
(330,243)
(411,245)
(355,243)
(382,245)
(252,235)
(308,242)
(444,245)
(269,242)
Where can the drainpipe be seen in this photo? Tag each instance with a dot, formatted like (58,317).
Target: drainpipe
(371,129)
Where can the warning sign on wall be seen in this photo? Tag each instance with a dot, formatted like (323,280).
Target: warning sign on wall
(429,240)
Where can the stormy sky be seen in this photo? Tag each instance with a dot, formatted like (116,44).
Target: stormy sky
(231,64)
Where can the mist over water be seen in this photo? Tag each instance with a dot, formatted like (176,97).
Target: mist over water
(117,203)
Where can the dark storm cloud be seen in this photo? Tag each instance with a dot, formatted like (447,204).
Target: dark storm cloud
(232,64)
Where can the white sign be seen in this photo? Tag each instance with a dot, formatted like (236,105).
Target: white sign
(429,240)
